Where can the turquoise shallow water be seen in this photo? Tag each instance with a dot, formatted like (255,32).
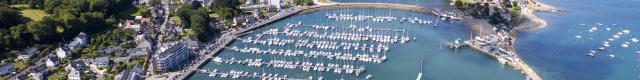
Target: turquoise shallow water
(404,60)
(557,55)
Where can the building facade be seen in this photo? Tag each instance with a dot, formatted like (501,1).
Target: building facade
(173,58)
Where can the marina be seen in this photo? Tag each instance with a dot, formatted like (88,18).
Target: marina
(305,66)
(236,74)
(351,17)
(315,54)
(366,44)
(380,46)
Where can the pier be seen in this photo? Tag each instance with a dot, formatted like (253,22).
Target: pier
(517,63)
(372,58)
(305,66)
(235,74)
(295,10)
(326,45)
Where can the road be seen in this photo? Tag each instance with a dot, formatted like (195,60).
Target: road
(39,62)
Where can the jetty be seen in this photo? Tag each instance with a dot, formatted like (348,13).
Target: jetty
(506,57)
(235,74)
(327,6)
(302,65)
(372,58)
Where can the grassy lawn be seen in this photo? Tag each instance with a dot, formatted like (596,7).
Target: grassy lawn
(20,6)
(325,1)
(177,20)
(21,64)
(213,15)
(5,77)
(466,1)
(58,75)
(269,14)
(189,32)
(33,14)
(138,11)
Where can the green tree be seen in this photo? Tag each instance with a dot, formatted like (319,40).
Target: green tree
(303,2)
(36,4)
(51,5)
(155,2)
(496,18)
(99,5)
(197,20)
(42,30)
(10,17)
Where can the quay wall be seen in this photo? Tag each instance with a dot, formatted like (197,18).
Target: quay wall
(330,6)
(521,65)
(207,57)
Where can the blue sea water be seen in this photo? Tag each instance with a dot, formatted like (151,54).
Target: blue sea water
(404,60)
(556,54)
(424,3)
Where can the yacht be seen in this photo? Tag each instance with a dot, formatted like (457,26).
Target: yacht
(612,55)
(591,54)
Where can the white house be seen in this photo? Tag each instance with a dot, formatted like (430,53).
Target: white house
(78,41)
(63,52)
(248,2)
(75,70)
(276,3)
(52,61)
(39,73)
(74,75)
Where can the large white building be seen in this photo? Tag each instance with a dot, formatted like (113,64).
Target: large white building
(173,58)
(278,4)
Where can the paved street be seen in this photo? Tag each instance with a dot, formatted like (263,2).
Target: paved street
(39,62)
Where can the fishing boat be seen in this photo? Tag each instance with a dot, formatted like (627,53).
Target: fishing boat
(455,44)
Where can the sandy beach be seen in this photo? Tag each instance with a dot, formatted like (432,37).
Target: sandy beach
(534,22)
